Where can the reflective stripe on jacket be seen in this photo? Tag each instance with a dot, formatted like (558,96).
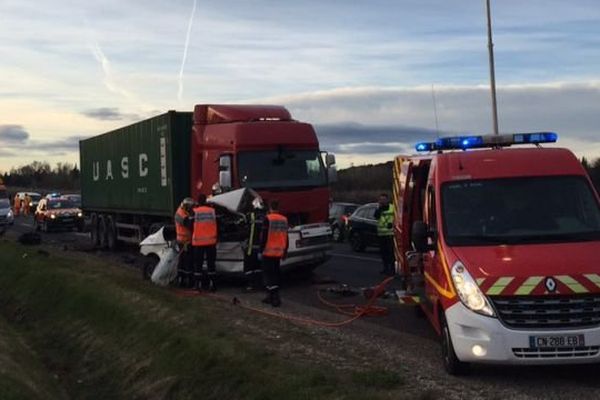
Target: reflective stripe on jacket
(385,222)
(277,237)
(205,227)
(184,234)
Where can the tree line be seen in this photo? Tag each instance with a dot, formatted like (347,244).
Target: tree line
(363,184)
(41,175)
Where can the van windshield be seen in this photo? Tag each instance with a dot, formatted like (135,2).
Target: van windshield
(281,169)
(520,210)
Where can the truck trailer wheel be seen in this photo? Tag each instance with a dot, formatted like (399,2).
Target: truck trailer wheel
(451,363)
(94,237)
(102,230)
(111,233)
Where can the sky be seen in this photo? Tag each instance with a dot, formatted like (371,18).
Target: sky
(373,77)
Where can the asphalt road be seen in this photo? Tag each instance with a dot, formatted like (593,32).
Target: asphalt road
(362,270)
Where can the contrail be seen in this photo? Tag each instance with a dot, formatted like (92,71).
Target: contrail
(108,76)
(185,50)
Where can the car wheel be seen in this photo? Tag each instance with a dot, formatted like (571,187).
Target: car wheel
(148,266)
(451,363)
(356,242)
(336,234)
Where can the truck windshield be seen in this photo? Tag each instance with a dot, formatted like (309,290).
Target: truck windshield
(520,210)
(281,169)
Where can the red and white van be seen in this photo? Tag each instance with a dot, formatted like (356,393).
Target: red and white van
(502,247)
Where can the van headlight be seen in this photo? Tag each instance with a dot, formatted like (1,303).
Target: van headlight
(468,291)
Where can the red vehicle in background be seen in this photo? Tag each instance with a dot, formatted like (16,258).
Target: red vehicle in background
(501,247)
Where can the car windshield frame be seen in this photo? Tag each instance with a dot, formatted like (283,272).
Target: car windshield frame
(253,161)
(498,225)
(64,205)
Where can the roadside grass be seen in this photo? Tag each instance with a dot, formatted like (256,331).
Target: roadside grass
(106,334)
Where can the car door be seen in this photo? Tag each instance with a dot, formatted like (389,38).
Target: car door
(370,226)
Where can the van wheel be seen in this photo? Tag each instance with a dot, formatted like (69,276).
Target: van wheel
(451,363)
(356,243)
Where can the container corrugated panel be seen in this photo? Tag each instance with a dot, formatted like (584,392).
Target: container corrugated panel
(140,169)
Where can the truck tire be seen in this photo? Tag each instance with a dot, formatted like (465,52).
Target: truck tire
(94,237)
(111,233)
(451,363)
(102,230)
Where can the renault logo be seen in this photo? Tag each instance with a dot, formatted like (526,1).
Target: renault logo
(550,284)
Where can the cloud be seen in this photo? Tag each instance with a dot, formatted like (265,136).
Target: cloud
(10,134)
(108,114)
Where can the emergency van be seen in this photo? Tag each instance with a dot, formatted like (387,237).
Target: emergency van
(501,248)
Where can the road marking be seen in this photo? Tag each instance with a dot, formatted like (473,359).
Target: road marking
(372,259)
(81,234)
(25,224)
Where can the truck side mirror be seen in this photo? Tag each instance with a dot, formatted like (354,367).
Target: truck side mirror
(419,236)
(329,159)
(225,172)
(225,179)
(332,174)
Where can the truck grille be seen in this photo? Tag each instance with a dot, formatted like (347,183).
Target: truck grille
(557,352)
(548,311)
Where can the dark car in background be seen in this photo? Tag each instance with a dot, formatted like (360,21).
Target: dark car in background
(338,219)
(58,213)
(73,198)
(362,227)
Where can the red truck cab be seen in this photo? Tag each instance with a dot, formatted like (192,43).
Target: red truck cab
(263,148)
(501,245)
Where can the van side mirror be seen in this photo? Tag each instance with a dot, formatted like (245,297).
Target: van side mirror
(419,236)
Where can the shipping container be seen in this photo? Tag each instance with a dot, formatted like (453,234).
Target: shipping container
(142,168)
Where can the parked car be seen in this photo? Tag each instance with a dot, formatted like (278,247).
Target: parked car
(362,228)
(34,200)
(58,213)
(6,214)
(338,219)
(74,198)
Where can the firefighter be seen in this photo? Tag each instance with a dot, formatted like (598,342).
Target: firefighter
(274,247)
(26,206)
(252,270)
(17,204)
(204,243)
(184,224)
(385,233)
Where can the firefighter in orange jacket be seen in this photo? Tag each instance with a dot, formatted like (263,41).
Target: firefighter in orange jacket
(17,204)
(204,243)
(274,247)
(184,224)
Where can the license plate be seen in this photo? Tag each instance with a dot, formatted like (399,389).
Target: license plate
(540,342)
(67,220)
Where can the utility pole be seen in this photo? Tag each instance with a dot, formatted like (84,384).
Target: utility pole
(492,69)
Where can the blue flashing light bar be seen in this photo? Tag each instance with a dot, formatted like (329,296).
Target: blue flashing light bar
(487,141)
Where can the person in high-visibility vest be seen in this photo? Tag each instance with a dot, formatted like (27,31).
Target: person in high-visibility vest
(204,243)
(252,270)
(274,247)
(17,204)
(184,225)
(385,233)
